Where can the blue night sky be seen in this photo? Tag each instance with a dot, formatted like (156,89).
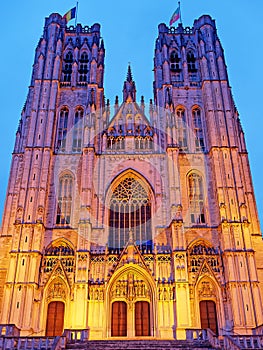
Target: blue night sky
(129,29)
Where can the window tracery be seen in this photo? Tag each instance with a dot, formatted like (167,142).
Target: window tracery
(200,253)
(83,67)
(175,61)
(198,130)
(130,209)
(65,191)
(62,129)
(77,130)
(191,61)
(181,129)
(57,254)
(67,70)
(196,199)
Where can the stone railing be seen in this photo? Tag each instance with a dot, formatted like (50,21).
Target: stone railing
(205,335)
(76,335)
(243,342)
(26,343)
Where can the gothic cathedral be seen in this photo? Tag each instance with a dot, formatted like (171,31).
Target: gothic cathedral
(130,220)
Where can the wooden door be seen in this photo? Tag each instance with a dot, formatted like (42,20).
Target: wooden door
(142,318)
(208,315)
(55,319)
(119,319)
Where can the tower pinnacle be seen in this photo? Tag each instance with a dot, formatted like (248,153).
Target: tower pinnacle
(129,88)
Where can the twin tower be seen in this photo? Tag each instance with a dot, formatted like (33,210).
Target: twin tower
(133,221)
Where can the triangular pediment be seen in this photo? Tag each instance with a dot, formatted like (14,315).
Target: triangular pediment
(58,272)
(205,270)
(130,255)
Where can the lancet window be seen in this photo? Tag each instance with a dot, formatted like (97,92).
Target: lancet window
(196,198)
(62,129)
(83,67)
(67,70)
(130,210)
(143,142)
(198,130)
(64,206)
(115,143)
(77,130)
(181,129)
(191,62)
(174,61)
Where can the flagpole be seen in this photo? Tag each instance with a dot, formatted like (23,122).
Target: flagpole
(179,4)
(77,6)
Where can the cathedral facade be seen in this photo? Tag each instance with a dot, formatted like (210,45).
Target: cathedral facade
(133,220)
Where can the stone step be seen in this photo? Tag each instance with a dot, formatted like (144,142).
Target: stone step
(141,345)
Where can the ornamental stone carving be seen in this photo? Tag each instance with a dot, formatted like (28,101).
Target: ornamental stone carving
(57,290)
(206,290)
(130,288)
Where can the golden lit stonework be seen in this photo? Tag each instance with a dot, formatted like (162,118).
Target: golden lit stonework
(136,222)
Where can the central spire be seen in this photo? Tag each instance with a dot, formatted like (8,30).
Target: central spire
(129,89)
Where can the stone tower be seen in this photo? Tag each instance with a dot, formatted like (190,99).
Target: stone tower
(137,220)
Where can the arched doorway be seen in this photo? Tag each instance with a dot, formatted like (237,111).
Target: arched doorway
(208,315)
(142,318)
(55,319)
(119,319)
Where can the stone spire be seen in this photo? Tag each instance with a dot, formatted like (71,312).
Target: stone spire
(129,88)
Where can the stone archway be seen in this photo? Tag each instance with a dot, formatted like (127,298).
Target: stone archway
(208,303)
(131,305)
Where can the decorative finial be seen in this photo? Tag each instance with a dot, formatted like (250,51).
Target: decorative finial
(129,74)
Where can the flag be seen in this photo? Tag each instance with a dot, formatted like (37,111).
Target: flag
(175,16)
(70,14)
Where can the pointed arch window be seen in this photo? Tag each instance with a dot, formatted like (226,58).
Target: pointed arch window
(130,210)
(196,199)
(175,61)
(62,129)
(181,129)
(77,130)
(198,130)
(67,69)
(191,62)
(65,191)
(83,67)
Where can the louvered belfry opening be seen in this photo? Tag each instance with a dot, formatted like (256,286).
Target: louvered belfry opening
(119,319)
(208,315)
(130,210)
(55,319)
